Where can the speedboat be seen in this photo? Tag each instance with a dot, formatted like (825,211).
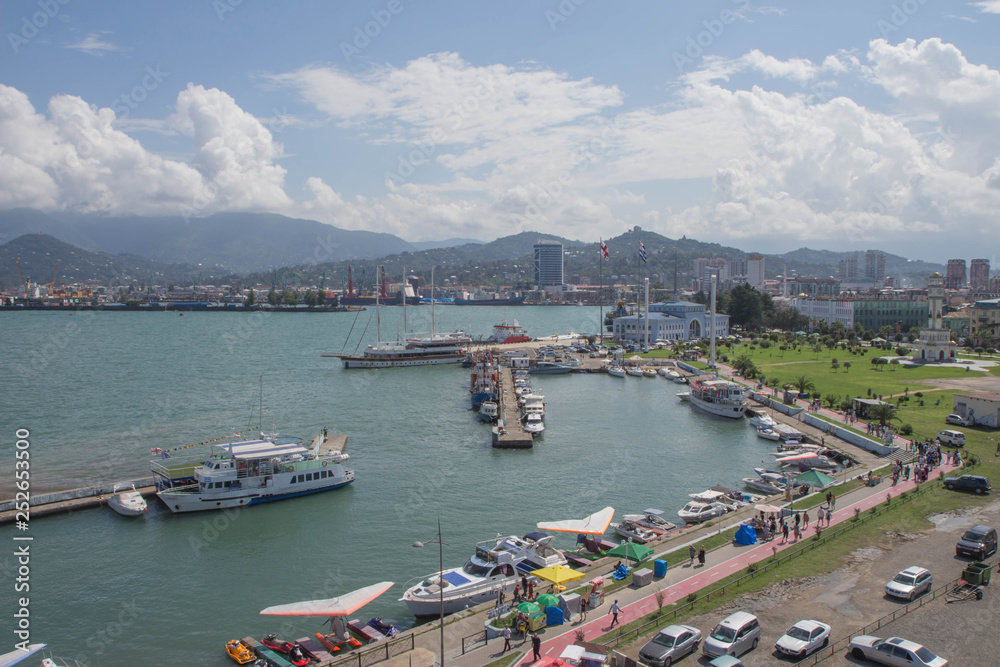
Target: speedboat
(533,424)
(652,519)
(763,485)
(634,531)
(680,379)
(671,375)
(496,565)
(762,420)
(126,500)
(697,512)
(616,371)
(238,652)
(272,642)
(731,499)
(768,434)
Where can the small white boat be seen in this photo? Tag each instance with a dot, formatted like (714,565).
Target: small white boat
(698,512)
(533,424)
(126,500)
(768,434)
(616,371)
(764,486)
(634,372)
(649,373)
(762,420)
(672,375)
(680,379)
(684,395)
(664,372)
(652,519)
(635,532)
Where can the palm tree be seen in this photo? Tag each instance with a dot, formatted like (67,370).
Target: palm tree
(803,384)
(883,412)
(772,382)
(831,400)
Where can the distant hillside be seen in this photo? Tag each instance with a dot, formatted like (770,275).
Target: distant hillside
(40,254)
(447,243)
(239,242)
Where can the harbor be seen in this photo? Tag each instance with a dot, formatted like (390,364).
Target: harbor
(419,453)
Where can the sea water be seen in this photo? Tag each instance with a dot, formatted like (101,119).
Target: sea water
(98,390)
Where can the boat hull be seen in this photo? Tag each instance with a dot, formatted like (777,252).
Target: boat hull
(179,502)
(513,301)
(720,409)
(427,607)
(360,362)
(123,509)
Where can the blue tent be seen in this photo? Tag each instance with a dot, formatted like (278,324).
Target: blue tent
(745,534)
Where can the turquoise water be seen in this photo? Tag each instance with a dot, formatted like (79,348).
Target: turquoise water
(97,391)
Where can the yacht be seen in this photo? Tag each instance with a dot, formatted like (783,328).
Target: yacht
(496,565)
(697,512)
(533,424)
(533,404)
(616,371)
(252,472)
(551,368)
(720,397)
(126,500)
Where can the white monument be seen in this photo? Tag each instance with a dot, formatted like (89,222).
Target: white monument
(935,343)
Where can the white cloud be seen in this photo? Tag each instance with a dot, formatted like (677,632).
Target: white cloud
(94,45)
(987,6)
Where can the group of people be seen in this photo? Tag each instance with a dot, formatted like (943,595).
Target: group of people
(523,592)
(886,433)
(699,554)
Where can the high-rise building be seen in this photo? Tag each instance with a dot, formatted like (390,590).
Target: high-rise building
(755,270)
(848,267)
(704,268)
(979,274)
(548,264)
(954,277)
(875,265)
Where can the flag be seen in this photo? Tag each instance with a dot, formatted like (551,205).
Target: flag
(642,252)
(604,250)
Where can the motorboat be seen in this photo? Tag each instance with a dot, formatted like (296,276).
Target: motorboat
(720,397)
(251,472)
(680,379)
(616,371)
(671,375)
(698,512)
(684,395)
(533,404)
(634,372)
(763,485)
(665,372)
(387,629)
(240,653)
(488,411)
(496,565)
(728,497)
(126,500)
(652,519)
(551,368)
(768,434)
(272,642)
(649,373)
(635,532)
(533,424)
(762,419)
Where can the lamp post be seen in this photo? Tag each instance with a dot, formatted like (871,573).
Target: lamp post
(440,577)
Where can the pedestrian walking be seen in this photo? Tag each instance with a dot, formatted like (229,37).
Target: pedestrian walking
(833,501)
(701,556)
(517,594)
(692,552)
(531,589)
(614,613)
(583,608)
(829,496)
(506,639)
(805,520)
(536,646)
(784,532)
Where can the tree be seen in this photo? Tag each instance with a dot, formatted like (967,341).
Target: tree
(883,412)
(835,365)
(831,400)
(251,300)
(816,350)
(745,307)
(803,384)
(290,298)
(272,297)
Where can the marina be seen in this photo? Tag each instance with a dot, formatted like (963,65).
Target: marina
(418,452)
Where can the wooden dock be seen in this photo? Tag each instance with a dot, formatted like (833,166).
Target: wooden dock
(510,435)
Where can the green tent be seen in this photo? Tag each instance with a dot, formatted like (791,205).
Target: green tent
(631,551)
(547,600)
(816,479)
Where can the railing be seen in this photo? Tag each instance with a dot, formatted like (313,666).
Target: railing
(383,651)
(472,641)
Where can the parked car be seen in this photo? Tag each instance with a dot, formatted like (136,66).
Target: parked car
(803,638)
(979,542)
(894,651)
(735,635)
(953,438)
(958,420)
(909,583)
(975,483)
(670,644)
(725,661)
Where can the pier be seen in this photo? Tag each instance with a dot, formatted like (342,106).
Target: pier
(508,434)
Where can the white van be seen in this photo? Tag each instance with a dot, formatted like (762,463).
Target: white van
(953,438)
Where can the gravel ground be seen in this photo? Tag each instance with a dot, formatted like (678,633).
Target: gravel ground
(852,597)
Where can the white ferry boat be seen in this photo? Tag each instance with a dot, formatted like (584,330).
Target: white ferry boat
(496,565)
(438,349)
(251,472)
(719,397)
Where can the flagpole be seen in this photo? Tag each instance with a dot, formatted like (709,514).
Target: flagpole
(600,294)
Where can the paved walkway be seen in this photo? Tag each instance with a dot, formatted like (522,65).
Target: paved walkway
(681,580)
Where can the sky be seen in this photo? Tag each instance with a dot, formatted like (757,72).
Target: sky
(768,127)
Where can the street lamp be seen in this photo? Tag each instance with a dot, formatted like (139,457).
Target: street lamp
(440,579)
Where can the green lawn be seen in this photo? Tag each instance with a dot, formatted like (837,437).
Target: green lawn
(774,355)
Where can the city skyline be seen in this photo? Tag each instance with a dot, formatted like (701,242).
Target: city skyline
(768,127)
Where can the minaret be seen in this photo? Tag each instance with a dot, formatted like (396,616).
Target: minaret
(935,297)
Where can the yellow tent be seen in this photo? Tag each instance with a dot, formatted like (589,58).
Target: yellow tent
(558,575)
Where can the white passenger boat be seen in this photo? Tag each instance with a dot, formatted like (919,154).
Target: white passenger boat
(496,565)
(635,532)
(126,500)
(616,371)
(720,397)
(698,512)
(533,424)
(251,472)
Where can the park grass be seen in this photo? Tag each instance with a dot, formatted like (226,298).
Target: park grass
(506,660)
(774,355)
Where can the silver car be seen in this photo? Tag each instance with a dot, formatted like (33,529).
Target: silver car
(803,638)
(909,583)
(894,651)
(670,644)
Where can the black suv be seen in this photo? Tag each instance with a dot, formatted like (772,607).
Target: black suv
(976,483)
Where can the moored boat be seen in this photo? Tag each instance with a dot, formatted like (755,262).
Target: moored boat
(533,424)
(720,397)
(126,500)
(240,653)
(504,333)
(633,531)
(761,420)
(699,512)
(768,434)
(488,411)
(652,519)
(616,371)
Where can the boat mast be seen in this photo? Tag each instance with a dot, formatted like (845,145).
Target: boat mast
(432,303)
(711,363)
(600,294)
(378,314)
(403,295)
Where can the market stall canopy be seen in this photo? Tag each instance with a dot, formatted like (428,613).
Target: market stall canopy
(557,574)
(767,509)
(528,608)
(815,478)
(345,605)
(631,551)
(595,524)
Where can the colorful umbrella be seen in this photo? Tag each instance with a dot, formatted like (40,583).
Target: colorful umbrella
(547,600)
(557,574)
(529,608)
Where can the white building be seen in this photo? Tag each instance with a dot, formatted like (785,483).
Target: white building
(670,320)
(830,310)
(755,271)
(982,408)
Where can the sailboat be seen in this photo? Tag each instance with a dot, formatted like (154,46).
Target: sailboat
(418,351)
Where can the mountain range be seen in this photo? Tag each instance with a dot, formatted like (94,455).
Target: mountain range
(274,249)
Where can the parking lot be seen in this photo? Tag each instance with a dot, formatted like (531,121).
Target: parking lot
(854,596)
